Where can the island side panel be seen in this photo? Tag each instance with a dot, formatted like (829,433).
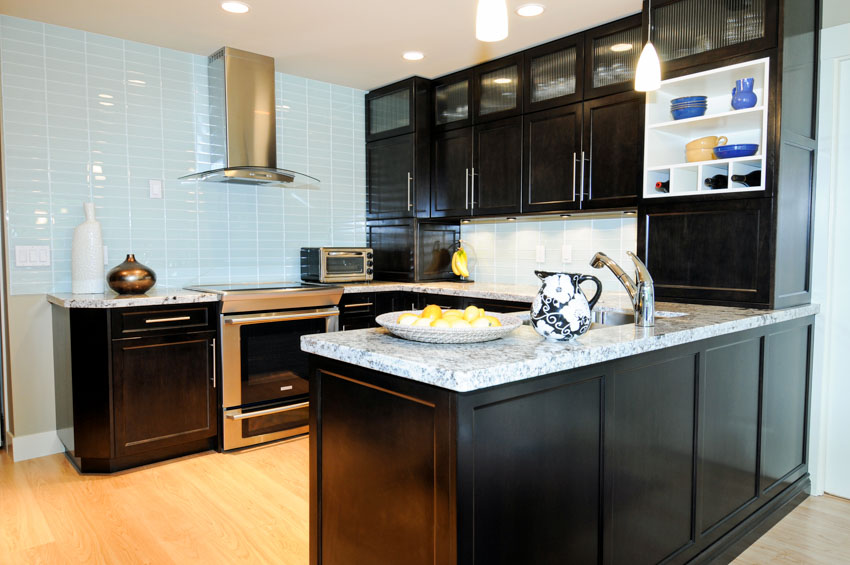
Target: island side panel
(382,473)
(529,460)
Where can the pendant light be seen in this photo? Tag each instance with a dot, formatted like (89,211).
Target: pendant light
(648,74)
(491,20)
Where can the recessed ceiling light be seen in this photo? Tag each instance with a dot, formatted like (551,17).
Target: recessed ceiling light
(235,7)
(413,55)
(530,10)
(502,80)
(618,47)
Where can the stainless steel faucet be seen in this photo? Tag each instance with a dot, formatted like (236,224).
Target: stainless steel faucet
(642,293)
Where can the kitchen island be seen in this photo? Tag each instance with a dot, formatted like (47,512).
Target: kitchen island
(678,443)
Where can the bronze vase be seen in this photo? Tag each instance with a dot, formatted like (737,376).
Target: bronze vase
(131,277)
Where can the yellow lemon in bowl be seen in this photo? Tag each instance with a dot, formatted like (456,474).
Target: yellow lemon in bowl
(441,323)
(494,322)
(423,323)
(432,311)
(480,323)
(453,312)
(407,319)
(471,313)
(459,323)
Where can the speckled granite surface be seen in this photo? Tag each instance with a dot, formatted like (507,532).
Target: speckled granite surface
(154,297)
(524,354)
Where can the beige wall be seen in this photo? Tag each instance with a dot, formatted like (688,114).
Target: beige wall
(836,12)
(31,360)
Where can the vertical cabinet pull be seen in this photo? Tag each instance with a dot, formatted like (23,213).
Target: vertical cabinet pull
(472,192)
(574,176)
(582,176)
(409,201)
(466,206)
(214,361)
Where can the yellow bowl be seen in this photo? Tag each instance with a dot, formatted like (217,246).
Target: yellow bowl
(707,142)
(699,155)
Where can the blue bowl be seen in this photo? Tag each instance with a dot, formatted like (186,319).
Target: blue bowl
(688,99)
(688,113)
(682,106)
(740,150)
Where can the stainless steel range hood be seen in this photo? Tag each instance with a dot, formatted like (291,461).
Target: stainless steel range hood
(243,146)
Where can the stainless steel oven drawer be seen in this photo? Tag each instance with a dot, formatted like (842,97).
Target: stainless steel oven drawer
(259,424)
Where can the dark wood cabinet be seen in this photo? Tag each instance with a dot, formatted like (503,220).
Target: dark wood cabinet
(612,149)
(357,310)
(497,168)
(452,172)
(398,152)
(551,150)
(138,384)
(498,89)
(163,391)
(553,74)
(611,55)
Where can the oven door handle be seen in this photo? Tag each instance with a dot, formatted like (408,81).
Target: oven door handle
(267,411)
(254,319)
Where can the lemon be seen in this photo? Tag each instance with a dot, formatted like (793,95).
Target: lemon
(481,312)
(423,322)
(453,312)
(471,313)
(459,323)
(407,319)
(480,323)
(432,311)
(441,323)
(494,322)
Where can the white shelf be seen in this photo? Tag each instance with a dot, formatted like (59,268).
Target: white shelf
(703,192)
(737,118)
(756,157)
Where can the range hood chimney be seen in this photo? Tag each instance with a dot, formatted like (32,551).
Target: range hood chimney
(243,148)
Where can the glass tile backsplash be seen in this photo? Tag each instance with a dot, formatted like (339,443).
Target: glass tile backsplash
(93,118)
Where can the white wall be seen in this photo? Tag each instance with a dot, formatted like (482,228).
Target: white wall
(835,13)
(830,421)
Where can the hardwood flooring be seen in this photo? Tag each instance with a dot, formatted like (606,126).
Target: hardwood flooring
(250,507)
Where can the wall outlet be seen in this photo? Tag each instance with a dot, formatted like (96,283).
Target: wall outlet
(32,256)
(541,254)
(567,253)
(156,188)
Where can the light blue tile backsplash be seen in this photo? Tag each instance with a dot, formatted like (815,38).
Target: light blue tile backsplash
(89,117)
(506,252)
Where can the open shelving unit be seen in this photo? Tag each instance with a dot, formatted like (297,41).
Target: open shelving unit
(665,138)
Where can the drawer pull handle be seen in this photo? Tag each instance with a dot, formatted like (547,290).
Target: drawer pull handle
(358,305)
(162,320)
(268,411)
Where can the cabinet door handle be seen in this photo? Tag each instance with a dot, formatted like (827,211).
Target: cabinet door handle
(214,361)
(574,176)
(409,180)
(358,305)
(582,177)
(268,411)
(472,192)
(162,320)
(466,206)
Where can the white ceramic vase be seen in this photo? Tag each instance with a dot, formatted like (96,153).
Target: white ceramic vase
(87,255)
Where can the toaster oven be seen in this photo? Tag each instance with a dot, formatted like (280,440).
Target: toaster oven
(336,264)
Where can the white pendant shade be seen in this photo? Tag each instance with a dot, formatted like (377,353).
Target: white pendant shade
(491,20)
(648,74)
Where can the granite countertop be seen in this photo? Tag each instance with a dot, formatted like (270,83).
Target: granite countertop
(525,354)
(154,297)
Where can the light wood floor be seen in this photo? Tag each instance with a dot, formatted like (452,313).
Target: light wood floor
(250,507)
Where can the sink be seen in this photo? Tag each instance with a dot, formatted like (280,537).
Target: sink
(602,318)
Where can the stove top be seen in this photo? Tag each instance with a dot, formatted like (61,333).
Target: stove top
(271,296)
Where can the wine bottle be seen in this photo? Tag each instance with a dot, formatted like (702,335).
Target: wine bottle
(750,179)
(717,181)
(663,186)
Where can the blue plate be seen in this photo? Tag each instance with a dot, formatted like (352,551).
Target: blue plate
(687,113)
(688,99)
(740,150)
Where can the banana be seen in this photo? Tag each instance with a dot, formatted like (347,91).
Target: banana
(455,270)
(462,265)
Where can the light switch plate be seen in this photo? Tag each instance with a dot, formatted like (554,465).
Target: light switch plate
(541,254)
(32,255)
(155,188)
(567,253)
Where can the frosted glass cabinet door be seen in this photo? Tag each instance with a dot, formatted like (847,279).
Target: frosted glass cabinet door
(553,73)
(453,100)
(612,55)
(498,89)
(390,111)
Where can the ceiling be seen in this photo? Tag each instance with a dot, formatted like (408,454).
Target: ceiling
(355,43)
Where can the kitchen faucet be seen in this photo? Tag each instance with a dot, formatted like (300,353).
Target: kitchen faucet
(642,293)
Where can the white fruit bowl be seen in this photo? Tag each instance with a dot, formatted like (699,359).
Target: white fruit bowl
(448,335)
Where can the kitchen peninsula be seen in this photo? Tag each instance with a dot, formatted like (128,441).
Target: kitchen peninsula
(678,443)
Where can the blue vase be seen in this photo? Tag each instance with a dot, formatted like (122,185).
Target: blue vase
(743,95)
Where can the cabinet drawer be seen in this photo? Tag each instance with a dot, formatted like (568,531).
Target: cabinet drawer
(126,323)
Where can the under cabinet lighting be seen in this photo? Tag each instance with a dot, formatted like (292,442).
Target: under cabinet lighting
(530,10)
(566,215)
(235,7)
(413,55)
(511,219)
(464,221)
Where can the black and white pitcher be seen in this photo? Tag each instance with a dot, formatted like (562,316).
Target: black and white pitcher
(560,310)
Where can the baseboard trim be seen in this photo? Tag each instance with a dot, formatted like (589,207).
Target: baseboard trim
(34,445)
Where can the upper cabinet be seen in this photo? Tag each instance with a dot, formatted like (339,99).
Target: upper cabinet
(498,89)
(553,73)
(695,32)
(453,100)
(612,53)
(390,110)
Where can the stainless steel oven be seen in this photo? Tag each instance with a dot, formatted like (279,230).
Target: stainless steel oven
(264,374)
